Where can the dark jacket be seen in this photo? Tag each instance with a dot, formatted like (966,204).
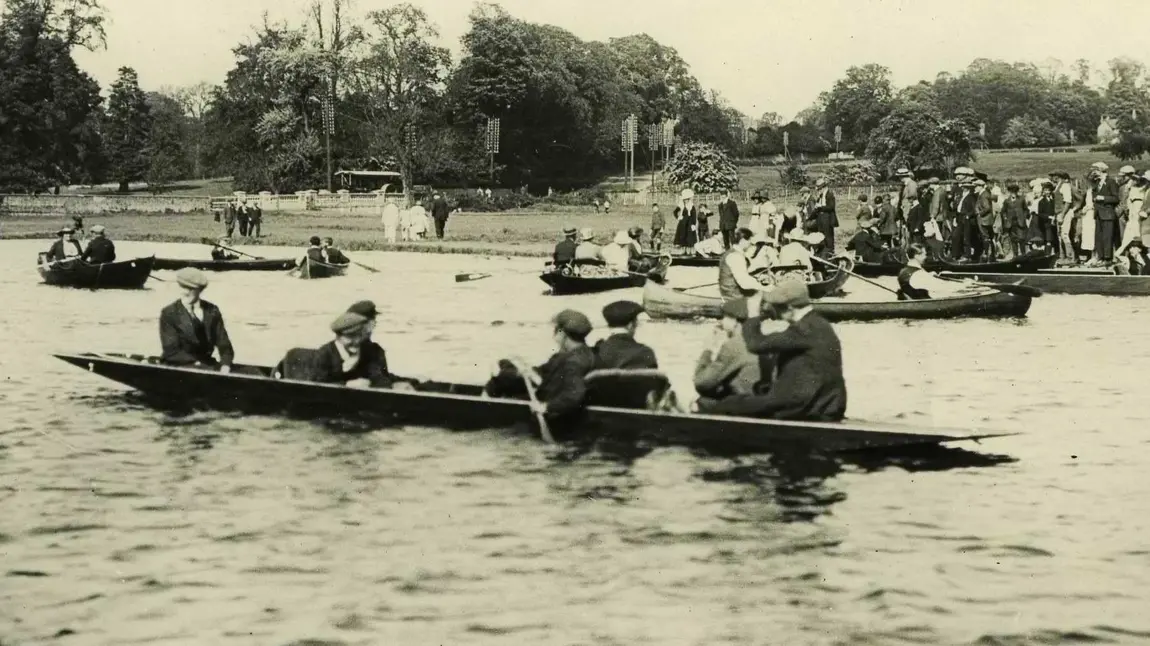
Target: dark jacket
(335,256)
(230,213)
(316,254)
(186,341)
(964,205)
(439,210)
(623,352)
(732,371)
(809,383)
(1014,215)
(1104,209)
(564,252)
(887,219)
(325,365)
(100,250)
(242,213)
(867,244)
(57,250)
(984,208)
(563,387)
(728,215)
(916,217)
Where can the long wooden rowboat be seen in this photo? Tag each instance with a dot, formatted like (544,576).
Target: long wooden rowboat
(563,282)
(688,259)
(460,407)
(1029,263)
(664,302)
(1098,282)
(262,264)
(315,269)
(125,274)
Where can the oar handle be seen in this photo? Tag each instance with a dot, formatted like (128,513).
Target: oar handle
(544,430)
(865,280)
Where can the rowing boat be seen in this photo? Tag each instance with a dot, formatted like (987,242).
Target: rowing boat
(1099,282)
(316,269)
(589,278)
(1028,263)
(688,259)
(664,302)
(125,274)
(261,264)
(833,284)
(461,407)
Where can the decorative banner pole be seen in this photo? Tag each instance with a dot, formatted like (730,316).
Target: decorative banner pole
(328,108)
(633,133)
(838,137)
(627,145)
(786,145)
(653,139)
(491,145)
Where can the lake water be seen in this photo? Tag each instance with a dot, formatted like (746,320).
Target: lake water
(122,525)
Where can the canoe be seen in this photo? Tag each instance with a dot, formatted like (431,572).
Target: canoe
(263,264)
(1099,282)
(460,407)
(664,302)
(1029,263)
(124,274)
(315,269)
(597,278)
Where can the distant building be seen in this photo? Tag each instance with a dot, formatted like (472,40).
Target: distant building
(1107,131)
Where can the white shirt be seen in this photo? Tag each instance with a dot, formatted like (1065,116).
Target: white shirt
(616,255)
(923,279)
(710,247)
(390,213)
(767,256)
(794,253)
(737,263)
(195,309)
(1067,196)
(349,360)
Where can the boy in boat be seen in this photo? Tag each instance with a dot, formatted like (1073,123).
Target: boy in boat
(916,283)
(192,329)
(65,247)
(219,251)
(619,350)
(727,368)
(712,246)
(559,385)
(332,255)
(809,384)
(100,249)
(565,251)
(867,244)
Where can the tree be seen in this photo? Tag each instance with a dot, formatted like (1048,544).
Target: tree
(1018,133)
(195,101)
(858,103)
(1128,102)
(655,73)
(702,167)
(168,152)
(127,129)
(914,137)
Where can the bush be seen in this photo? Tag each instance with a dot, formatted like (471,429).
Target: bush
(702,167)
(796,175)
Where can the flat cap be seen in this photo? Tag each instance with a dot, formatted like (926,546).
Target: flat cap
(1126,170)
(963,170)
(866,222)
(574,324)
(191,278)
(822,181)
(792,293)
(1100,166)
(736,308)
(979,182)
(621,313)
(348,322)
(365,309)
(99,228)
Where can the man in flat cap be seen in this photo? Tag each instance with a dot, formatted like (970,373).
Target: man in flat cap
(100,249)
(352,358)
(619,350)
(564,253)
(192,329)
(559,383)
(1106,200)
(331,255)
(64,247)
(964,226)
(727,367)
(907,187)
(984,217)
(809,382)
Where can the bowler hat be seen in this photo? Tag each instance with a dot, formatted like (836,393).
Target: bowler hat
(570,231)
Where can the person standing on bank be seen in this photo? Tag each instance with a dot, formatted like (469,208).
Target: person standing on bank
(255,220)
(390,219)
(243,216)
(192,329)
(1105,214)
(728,218)
(1014,218)
(825,216)
(439,213)
(984,216)
(907,188)
(100,249)
(619,350)
(658,222)
(687,227)
(230,219)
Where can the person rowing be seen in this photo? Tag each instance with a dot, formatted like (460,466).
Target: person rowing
(763,253)
(727,367)
(100,249)
(192,329)
(916,283)
(220,250)
(619,350)
(560,389)
(808,384)
(735,280)
(314,251)
(564,253)
(332,256)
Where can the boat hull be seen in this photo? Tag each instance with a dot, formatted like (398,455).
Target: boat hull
(314,269)
(125,274)
(459,407)
(663,302)
(1070,282)
(563,283)
(266,264)
(1027,264)
(689,260)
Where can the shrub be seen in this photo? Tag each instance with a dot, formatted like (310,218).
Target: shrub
(702,167)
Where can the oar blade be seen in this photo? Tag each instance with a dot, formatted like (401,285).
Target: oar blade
(464,278)
(1017,289)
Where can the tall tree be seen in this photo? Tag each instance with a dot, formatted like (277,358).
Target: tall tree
(1128,103)
(127,129)
(195,101)
(916,138)
(858,102)
(656,74)
(168,146)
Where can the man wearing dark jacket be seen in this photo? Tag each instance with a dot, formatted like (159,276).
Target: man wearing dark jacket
(619,350)
(439,213)
(192,329)
(351,359)
(100,249)
(809,382)
(866,243)
(728,218)
(564,253)
(1105,214)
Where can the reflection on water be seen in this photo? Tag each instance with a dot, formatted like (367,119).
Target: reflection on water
(125,523)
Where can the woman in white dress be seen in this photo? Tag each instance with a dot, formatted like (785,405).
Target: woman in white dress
(390,220)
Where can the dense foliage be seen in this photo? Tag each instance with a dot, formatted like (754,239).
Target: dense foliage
(702,167)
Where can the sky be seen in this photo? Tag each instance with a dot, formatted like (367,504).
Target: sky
(762,56)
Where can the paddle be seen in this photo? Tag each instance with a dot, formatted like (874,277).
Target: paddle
(544,430)
(216,244)
(154,277)
(363,266)
(464,278)
(865,280)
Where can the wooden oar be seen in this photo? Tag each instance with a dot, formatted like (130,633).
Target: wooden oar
(475,275)
(544,430)
(216,244)
(865,280)
(363,266)
(154,277)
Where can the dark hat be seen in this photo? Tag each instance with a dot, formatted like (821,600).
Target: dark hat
(348,322)
(878,199)
(736,308)
(621,313)
(574,324)
(365,309)
(314,240)
(792,293)
(569,231)
(64,231)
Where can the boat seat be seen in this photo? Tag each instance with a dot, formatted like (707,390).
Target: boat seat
(616,388)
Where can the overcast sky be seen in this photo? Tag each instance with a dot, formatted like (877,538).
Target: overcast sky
(762,56)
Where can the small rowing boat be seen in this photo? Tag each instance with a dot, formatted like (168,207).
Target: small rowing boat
(124,274)
(663,302)
(315,269)
(460,407)
(261,264)
(589,278)
(1028,263)
(1098,282)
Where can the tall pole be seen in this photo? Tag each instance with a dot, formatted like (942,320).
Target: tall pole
(328,127)
(491,143)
